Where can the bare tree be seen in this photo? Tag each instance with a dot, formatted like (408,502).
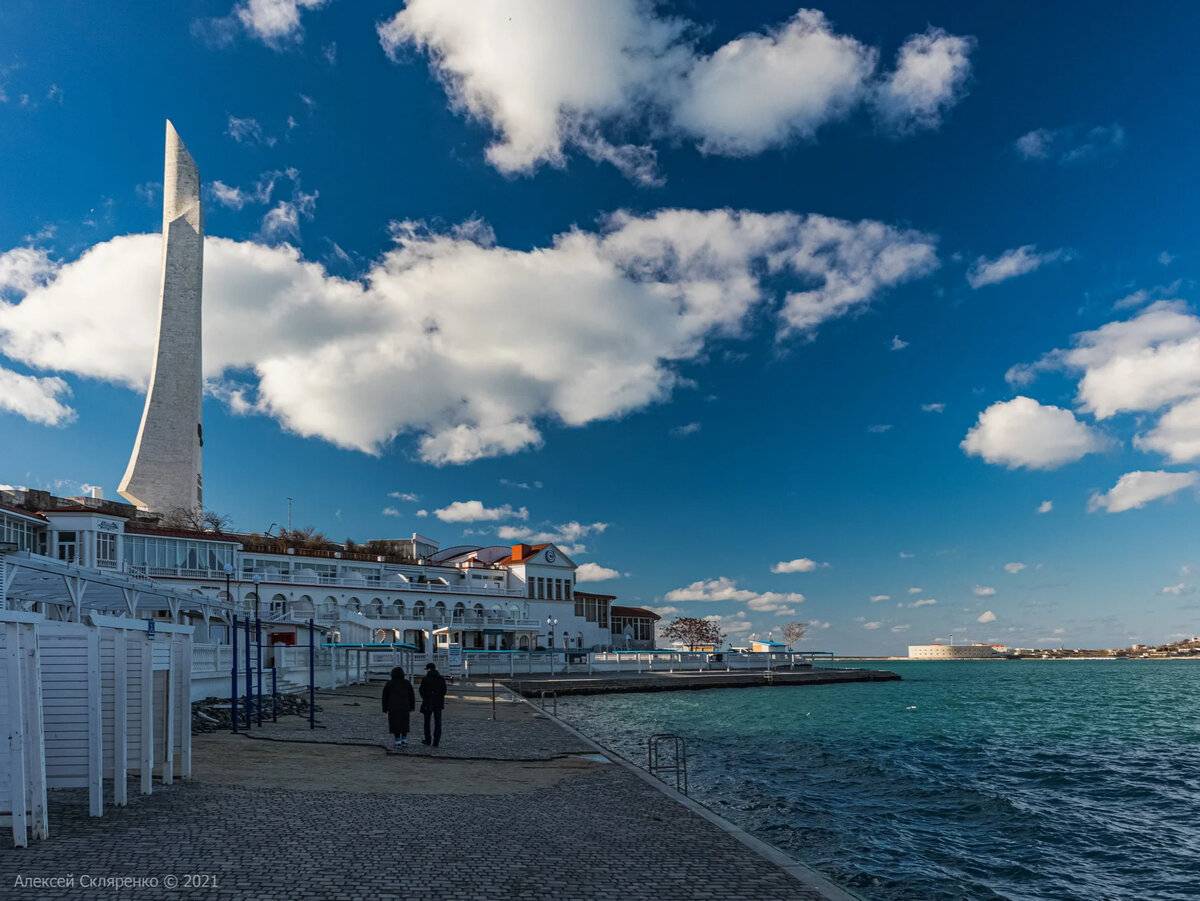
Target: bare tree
(794,632)
(693,632)
(194,519)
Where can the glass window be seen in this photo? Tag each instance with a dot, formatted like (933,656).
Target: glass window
(579,608)
(106,549)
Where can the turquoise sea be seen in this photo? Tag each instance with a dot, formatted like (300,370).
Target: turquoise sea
(972,779)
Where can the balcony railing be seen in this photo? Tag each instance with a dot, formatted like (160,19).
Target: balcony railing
(369,581)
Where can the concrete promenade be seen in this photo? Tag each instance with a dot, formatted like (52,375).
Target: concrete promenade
(515,807)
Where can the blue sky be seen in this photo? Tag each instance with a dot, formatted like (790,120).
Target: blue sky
(696,289)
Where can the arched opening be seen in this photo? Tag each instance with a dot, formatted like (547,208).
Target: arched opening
(328,607)
(460,612)
(419,610)
(398,609)
(523,644)
(439,612)
(279,605)
(376,607)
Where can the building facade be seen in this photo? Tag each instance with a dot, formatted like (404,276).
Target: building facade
(952,652)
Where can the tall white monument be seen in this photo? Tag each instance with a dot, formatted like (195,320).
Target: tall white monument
(164,469)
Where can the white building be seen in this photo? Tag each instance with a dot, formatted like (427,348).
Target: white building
(952,652)
(518,597)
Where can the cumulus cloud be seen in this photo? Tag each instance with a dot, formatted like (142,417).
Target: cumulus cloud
(872,626)
(1138,365)
(683,431)
(933,408)
(726,589)
(594,572)
(23,269)
(734,624)
(407,496)
(547,76)
(324,355)
(1014,567)
(880,598)
(1176,589)
(475,511)
(37,399)
(799,565)
(986,617)
(1045,506)
(248,130)
(1177,434)
(1136,489)
(1070,145)
(984,591)
(1023,433)
(568,535)
(274,22)
(930,77)
(923,602)
(1010,264)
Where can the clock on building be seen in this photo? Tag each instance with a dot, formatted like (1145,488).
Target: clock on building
(550,555)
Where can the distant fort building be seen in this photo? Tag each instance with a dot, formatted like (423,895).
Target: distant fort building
(952,652)
(164,468)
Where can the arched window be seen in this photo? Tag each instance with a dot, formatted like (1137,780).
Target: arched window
(460,612)
(328,606)
(524,643)
(398,609)
(439,612)
(279,604)
(376,607)
(419,610)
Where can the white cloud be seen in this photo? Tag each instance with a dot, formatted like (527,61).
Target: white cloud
(881,428)
(1136,489)
(547,76)
(422,513)
(407,496)
(683,431)
(391,511)
(898,343)
(594,572)
(986,617)
(904,627)
(322,354)
(1174,589)
(1014,568)
(799,565)
(282,221)
(274,22)
(1023,433)
(1177,434)
(915,590)
(248,130)
(24,269)
(36,399)
(734,624)
(872,626)
(933,408)
(726,589)
(924,602)
(1010,264)
(880,598)
(1070,145)
(930,77)
(818,624)
(568,535)
(1045,506)
(905,555)
(475,511)
(984,591)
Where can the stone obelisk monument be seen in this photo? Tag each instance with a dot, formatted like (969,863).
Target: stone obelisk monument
(164,469)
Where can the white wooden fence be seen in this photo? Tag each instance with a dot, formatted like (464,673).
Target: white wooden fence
(85,702)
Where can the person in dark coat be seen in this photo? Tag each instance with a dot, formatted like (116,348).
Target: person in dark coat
(433,702)
(398,701)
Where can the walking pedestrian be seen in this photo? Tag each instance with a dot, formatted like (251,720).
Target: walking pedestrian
(433,702)
(398,702)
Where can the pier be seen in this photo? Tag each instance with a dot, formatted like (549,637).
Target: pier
(515,804)
(613,683)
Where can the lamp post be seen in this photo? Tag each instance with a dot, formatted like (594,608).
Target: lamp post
(228,576)
(551,622)
(258,641)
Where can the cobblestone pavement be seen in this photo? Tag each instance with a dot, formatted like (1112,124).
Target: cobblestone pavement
(352,716)
(603,834)
(381,826)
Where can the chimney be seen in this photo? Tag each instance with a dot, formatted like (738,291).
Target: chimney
(520,552)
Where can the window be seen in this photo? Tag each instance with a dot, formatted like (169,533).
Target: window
(541,588)
(68,550)
(603,614)
(106,549)
(528,586)
(567,588)
(579,606)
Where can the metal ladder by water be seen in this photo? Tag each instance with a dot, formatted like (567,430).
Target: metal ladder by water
(673,761)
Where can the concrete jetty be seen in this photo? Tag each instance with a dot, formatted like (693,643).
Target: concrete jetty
(614,683)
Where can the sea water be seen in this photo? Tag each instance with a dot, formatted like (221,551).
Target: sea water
(968,779)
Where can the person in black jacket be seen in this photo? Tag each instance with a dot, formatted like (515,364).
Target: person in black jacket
(433,702)
(398,701)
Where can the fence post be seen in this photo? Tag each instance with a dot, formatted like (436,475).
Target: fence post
(249,676)
(258,666)
(312,676)
(233,680)
(274,696)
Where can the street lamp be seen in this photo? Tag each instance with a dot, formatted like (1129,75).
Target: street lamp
(228,576)
(551,622)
